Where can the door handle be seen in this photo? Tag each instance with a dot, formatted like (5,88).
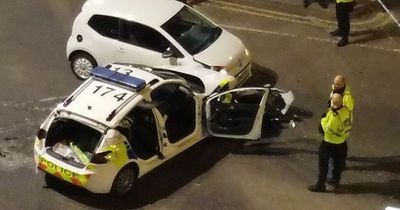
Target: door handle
(120,49)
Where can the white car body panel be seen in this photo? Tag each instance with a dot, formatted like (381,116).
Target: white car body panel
(141,11)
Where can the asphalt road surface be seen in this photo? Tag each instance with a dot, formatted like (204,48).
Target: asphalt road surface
(291,49)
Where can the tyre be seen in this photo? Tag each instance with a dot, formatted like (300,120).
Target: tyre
(124,182)
(82,64)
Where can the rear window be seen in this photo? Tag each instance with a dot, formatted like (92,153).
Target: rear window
(104,25)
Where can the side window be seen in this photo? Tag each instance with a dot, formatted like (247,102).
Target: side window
(143,36)
(104,25)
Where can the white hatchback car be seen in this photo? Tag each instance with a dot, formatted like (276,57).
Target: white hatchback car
(116,127)
(155,33)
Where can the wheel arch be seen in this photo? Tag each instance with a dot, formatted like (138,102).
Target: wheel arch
(75,52)
(131,165)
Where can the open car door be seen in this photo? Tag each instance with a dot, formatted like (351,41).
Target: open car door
(238,113)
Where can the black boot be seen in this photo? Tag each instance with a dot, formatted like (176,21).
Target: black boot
(343,42)
(324,3)
(306,3)
(334,183)
(319,187)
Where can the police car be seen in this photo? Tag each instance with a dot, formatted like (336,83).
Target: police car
(116,126)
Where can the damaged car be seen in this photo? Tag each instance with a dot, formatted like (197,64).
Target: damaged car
(155,33)
(116,127)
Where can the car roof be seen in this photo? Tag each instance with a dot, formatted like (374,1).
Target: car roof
(107,90)
(149,12)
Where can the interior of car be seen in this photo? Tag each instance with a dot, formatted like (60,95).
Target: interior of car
(142,134)
(178,107)
(236,117)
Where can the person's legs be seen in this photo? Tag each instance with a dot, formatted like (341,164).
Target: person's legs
(324,155)
(339,163)
(337,31)
(343,18)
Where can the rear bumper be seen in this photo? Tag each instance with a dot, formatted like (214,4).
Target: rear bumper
(88,177)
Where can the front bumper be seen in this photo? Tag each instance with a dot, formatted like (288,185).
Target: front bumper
(242,76)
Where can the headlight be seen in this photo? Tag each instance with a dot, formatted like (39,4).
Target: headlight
(246,51)
(220,69)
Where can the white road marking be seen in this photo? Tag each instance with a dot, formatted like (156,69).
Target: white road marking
(54,98)
(393,50)
(49,99)
(259,30)
(380,17)
(389,12)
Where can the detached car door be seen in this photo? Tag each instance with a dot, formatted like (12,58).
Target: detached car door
(238,113)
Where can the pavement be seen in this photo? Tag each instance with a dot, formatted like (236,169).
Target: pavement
(291,49)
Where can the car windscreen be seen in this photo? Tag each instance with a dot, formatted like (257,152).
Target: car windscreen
(192,31)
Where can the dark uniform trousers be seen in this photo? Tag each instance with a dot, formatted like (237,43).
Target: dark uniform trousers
(343,18)
(338,153)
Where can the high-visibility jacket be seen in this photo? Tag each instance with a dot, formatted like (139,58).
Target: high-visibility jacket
(336,125)
(348,100)
(226,98)
(224,86)
(344,1)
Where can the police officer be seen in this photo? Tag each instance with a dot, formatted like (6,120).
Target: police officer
(343,9)
(224,86)
(336,126)
(339,86)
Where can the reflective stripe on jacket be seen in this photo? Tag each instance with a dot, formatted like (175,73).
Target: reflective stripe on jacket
(348,100)
(344,1)
(336,125)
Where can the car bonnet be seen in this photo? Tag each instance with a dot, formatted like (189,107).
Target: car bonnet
(224,52)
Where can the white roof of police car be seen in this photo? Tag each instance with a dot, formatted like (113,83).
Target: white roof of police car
(95,100)
(149,12)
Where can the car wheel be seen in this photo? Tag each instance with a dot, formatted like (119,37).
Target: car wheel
(82,64)
(124,182)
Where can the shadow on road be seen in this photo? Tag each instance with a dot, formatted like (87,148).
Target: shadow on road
(389,164)
(268,149)
(364,36)
(274,125)
(261,76)
(390,188)
(159,183)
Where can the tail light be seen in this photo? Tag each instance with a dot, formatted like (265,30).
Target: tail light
(41,134)
(100,158)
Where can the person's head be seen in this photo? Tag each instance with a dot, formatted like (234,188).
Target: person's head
(339,83)
(336,101)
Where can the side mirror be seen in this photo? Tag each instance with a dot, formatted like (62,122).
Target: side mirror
(167,54)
